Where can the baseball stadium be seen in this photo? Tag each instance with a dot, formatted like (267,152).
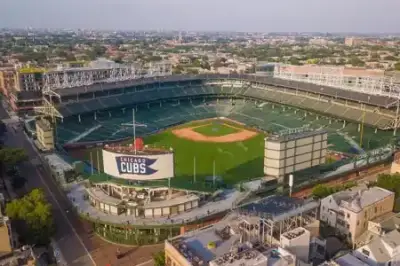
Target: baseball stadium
(163,153)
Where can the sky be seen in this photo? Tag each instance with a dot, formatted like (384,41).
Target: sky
(363,16)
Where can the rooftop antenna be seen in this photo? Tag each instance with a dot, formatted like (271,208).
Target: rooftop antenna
(134,129)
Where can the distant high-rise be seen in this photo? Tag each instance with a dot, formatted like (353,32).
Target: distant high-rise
(353,41)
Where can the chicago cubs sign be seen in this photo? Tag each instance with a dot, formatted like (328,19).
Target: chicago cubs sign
(135,165)
(138,167)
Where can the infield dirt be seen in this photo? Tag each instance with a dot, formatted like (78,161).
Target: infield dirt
(190,134)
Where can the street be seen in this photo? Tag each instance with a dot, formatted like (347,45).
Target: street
(75,250)
(78,245)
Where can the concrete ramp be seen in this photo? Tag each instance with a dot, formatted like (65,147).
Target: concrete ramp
(84,134)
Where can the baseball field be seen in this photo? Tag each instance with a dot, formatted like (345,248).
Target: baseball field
(235,150)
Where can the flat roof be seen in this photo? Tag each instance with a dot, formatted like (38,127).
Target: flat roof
(99,194)
(5,247)
(198,243)
(220,245)
(349,260)
(358,198)
(295,135)
(129,149)
(171,202)
(56,161)
(277,208)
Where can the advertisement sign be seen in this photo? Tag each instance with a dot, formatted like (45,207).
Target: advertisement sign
(138,167)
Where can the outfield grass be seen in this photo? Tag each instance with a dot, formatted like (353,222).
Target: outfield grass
(234,162)
(215,130)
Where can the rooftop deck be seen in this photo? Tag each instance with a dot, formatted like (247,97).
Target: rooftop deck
(84,207)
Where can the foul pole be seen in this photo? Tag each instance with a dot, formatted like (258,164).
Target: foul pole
(214,173)
(98,161)
(194,169)
(91,163)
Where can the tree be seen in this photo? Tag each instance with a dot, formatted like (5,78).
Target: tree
(177,69)
(294,61)
(219,62)
(33,213)
(159,258)
(321,191)
(355,61)
(397,66)
(389,182)
(11,157)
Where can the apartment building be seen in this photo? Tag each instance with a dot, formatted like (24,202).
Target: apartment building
(382,251)
(350,211)
(27,92)
(221,245)
(6,239)
(44,134)
(7,80)
(351,41)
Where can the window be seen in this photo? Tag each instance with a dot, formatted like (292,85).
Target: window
(348,215)
(347,226)
(376,209)
(323,208)
(365,252)
(358,222)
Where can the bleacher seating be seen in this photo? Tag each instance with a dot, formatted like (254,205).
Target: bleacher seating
(348,110)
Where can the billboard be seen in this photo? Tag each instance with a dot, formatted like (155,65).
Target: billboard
(138,167)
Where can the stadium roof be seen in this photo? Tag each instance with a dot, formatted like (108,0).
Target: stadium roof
(377,100)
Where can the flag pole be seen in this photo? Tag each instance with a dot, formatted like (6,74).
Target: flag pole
(134,129)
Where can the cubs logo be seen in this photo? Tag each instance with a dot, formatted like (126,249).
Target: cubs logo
(135,165)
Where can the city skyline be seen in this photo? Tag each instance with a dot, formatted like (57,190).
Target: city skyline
(206,15)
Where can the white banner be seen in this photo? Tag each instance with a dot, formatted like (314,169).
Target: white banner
(138,167)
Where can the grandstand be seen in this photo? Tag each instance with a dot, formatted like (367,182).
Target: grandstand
(374,110)
(115,124)
(97,106)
